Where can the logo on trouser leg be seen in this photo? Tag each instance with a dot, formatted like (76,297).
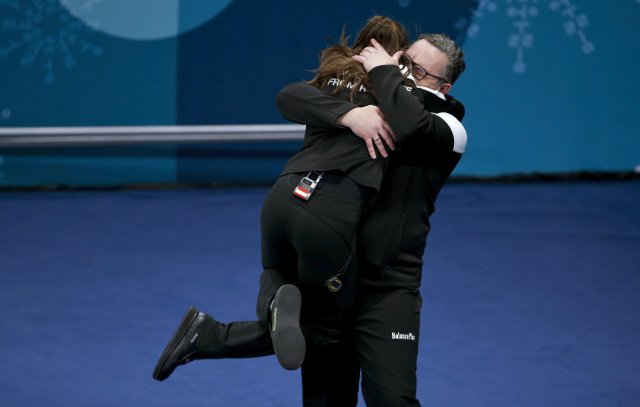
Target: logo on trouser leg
(403,337)
(274,319)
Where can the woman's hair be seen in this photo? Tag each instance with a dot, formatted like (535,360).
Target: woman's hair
(336,61)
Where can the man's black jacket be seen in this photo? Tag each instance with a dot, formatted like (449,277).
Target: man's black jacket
(394,230)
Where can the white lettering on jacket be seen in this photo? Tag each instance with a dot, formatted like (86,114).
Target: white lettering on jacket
(405,337)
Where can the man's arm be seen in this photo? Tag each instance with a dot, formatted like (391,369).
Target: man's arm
(405,114)
(306,104)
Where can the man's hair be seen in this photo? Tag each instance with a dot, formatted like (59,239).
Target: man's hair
(444,43)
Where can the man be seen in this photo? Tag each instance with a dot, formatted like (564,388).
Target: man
(386,322)
(390,271)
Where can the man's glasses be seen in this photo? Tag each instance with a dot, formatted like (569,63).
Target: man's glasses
(418,72)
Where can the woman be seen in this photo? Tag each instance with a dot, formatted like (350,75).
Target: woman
(308,223)
(310,217)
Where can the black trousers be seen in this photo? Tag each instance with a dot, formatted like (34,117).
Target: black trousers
(306,243)
(382,345)
(370,330)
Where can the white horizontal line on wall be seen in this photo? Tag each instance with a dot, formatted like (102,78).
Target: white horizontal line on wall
(94,136)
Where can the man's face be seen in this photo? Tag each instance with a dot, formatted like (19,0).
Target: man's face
(431,59)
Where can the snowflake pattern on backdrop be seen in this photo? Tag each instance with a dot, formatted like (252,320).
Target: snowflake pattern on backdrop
(522,14)
(58,44)
(468,27)
(43,33)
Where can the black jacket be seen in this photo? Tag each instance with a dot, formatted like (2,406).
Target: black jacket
(329,147)
(393,231)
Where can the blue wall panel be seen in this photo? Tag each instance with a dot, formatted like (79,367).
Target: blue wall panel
(58,71)
(231,68)
(550,85)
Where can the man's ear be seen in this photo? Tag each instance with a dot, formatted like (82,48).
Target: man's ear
(445,88)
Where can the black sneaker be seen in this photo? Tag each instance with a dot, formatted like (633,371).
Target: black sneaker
(286,335)
(181,348)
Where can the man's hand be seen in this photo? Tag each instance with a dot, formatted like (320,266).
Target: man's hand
(375,55)
(368,123)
